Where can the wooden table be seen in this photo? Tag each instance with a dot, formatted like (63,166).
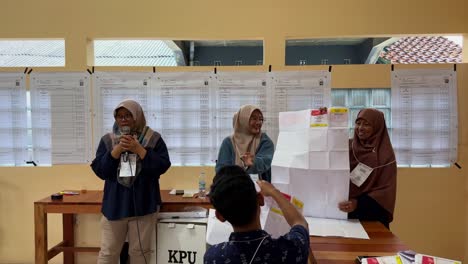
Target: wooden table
(324,249)
(86,203)
(382,242)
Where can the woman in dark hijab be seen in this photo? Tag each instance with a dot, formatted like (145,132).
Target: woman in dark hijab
(372,191)
(130,160)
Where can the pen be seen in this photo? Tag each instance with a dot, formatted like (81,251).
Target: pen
(68,193)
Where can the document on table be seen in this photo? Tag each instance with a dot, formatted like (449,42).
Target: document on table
(218,232)
(335,227)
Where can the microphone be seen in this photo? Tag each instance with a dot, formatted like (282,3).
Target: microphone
(125,130)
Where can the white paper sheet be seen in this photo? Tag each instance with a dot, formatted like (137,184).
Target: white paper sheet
(293,141)
(338,191)
(234,89)
(276,225)
(281,174)
(318,160)
(185,116)
(217,231)
(321,191)
(13,128)
(334,227)
(292,144)
(291,159)
(110,88)
(61,127)
(339,160)
(294,120)
(424,109)
(338,117)
(338,139)
(318,139)
(311,190)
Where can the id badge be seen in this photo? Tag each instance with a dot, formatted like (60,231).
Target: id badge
(127,165)
(254,177)
(360,174)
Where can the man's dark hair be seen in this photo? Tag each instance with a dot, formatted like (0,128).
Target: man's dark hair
(234,196)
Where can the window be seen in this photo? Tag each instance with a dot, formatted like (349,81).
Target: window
(324,61)
(137,53)
(229,52)
(376,50)
(29,53)
(357,99)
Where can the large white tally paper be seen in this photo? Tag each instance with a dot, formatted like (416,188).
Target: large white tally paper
(311,162)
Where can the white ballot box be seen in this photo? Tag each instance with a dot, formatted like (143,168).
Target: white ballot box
(181,240)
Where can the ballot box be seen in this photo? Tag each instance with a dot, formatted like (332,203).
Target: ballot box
(180,240)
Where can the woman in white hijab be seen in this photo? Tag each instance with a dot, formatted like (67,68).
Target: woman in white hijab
(248,147)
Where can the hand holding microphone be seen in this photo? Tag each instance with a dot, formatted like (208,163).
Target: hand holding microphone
(127,142)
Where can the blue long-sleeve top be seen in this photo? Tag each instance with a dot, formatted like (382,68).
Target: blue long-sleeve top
(118,201)
(262,162)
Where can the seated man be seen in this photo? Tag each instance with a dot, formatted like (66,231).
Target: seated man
(235,199)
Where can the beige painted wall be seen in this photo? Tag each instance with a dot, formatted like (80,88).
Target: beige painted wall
(431,213)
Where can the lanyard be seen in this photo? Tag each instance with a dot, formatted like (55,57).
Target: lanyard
(352,148)
(258,247)
(253,257)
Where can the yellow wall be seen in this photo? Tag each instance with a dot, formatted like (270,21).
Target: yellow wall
(431,208)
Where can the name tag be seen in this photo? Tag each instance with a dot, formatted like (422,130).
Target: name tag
(254,177)
(360,174)
(127,165)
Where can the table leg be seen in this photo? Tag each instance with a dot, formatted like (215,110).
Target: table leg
(68,237)
(40,234)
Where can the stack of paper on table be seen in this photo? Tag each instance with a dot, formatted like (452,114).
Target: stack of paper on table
(427,259)
(336,227)
(311,160)
(408,257)
(275,224)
